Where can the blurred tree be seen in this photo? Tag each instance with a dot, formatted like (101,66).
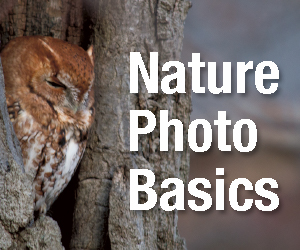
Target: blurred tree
(93,212)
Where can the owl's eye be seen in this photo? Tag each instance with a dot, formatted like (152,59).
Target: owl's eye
(55,84)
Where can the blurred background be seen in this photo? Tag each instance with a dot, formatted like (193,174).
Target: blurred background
(241,31)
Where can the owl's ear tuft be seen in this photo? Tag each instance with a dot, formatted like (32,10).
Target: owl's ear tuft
(91,54)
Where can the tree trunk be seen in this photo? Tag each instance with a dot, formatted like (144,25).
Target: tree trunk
(93,212)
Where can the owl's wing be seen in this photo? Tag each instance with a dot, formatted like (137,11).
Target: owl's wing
(13,108)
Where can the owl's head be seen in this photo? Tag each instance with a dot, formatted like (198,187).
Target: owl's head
(55,76)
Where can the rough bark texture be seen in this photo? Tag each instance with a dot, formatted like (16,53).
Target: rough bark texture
(100,214)
(61,19)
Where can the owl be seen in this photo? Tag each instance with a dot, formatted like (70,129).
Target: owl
(49,86)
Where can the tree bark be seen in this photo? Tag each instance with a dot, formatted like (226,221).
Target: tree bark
(98,215)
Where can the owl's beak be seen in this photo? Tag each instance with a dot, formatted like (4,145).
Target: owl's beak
(70,102)
(75,108)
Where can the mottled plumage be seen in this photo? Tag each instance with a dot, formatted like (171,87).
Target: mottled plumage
(49,91)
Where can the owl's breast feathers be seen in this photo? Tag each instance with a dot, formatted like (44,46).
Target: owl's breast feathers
(50,154)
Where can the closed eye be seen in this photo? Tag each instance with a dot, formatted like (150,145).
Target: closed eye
(55,84)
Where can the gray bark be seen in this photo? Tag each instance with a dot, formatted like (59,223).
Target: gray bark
(101,215)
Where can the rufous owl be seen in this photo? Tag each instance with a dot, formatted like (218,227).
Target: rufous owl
(49,86)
